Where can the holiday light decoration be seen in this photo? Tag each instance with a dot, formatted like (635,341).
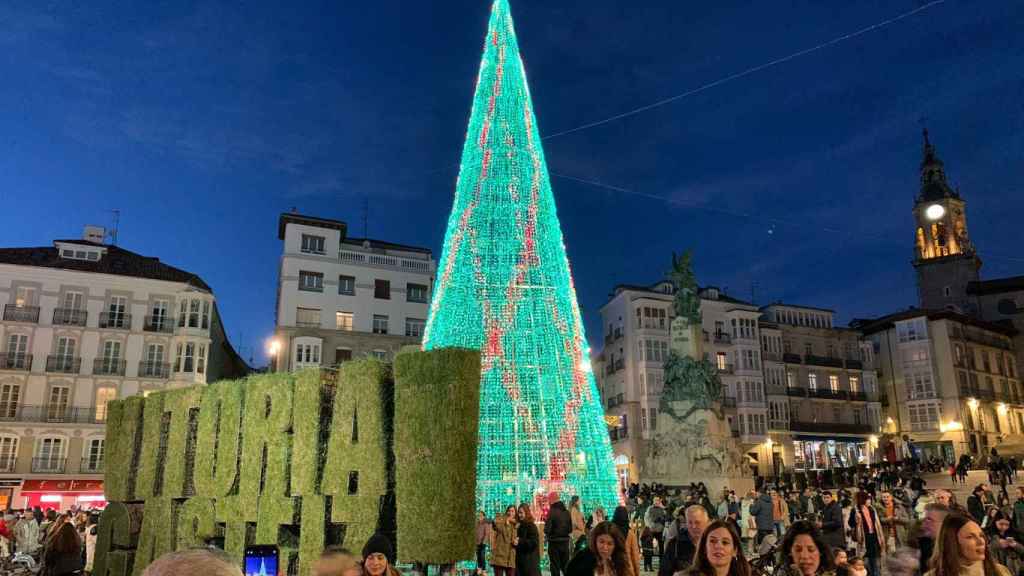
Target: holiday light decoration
(504,287)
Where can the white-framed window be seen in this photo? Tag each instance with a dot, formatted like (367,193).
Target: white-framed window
(112,351)
(8,452)
(73,301)
(206,314)
(50,454)
(66,347)
(24,297)
(812,380)
(343,321)
(117,310)
(416,293)
(104,395)
(201,359)
(911,330)
(379,354)
(154,353)
(193,314)
(380,324)
(347,285)
(16,356)
(57,403)
(833,382)
(307,317)
(93,457)
(924,416)
(721,360)
(652,415)
(854,384)
(414,327)
(307,352)
(10,397)
(311,281)
(312,244)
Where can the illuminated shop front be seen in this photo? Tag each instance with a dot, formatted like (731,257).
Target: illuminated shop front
(826,454)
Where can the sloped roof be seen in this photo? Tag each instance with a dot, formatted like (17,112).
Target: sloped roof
(116,261)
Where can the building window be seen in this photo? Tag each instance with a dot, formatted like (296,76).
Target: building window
(382,289)
(94,455)
(10,396)
(57,405)
(343,321)
(312,244)
(808,349)
(103,396)
(924,417)
(414,327)
(812,380)
(379,354)
(643,418)
(307,353)
(307,317)
(720,360)
(911,330)
(790,379)
(342,355)
(189,359)
(833,382)
(347,285)
(50,454)
(311,281)
(416,293)
(837,414)
(201,360)
(380,324)
(652,415)
(206,314)
(854,384)
(8,453)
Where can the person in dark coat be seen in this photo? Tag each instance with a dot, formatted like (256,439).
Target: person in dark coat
(832,525)
(680,550)
(761,510)
(975,504)
(527,544)
(605,554)
(557,532)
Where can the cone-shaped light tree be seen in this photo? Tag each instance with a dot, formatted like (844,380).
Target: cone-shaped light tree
(504,287)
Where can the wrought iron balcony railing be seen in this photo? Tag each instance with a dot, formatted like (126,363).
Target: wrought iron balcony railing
(64,364)
(15,361)
(13,313)
(69,317)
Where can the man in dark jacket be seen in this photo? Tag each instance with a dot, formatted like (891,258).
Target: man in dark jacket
(832,522)
(764,518)
(679,551)
(934,516)
(557,532)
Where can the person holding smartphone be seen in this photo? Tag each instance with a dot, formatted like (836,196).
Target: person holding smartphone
(1006,544)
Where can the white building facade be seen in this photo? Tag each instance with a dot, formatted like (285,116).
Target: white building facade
(341,298)
(85,323)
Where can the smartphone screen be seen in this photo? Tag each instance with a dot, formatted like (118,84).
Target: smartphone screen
(261,561)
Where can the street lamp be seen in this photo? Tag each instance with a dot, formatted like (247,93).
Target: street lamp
(273,348)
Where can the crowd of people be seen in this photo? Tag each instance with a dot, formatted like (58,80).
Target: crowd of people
(59,544)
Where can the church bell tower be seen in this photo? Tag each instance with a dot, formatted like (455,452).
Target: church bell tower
(943,254)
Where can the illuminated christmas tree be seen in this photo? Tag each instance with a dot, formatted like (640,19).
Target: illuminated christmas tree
(504,287)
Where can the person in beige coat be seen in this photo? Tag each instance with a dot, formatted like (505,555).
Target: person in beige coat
(503,554)
(579,524)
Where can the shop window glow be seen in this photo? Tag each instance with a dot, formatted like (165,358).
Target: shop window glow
(504,287)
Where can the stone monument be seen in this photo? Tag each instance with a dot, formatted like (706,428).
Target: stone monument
(692,441)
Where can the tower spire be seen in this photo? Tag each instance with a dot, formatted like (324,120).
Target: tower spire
(933,174)
(504,287)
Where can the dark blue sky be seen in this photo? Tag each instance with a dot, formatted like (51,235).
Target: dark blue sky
(202,122)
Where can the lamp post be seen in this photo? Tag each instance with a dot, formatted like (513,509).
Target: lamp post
(273,350)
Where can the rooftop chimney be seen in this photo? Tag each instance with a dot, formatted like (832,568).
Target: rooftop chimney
(94,234)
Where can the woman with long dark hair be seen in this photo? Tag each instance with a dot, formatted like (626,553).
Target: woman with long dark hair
(804,552)
(720,552)
(605,554)
(63,553)
(867,529)
(527,544)
(962,550)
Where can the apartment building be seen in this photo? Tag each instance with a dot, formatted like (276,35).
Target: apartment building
(341,297)
(84,323)
(953,380)
(630,373)
(823,402)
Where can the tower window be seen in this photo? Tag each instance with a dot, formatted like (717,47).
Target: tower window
(947,291)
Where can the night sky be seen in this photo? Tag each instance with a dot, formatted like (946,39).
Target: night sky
(201,123)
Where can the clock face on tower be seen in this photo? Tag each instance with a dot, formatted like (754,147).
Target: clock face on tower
(935,211)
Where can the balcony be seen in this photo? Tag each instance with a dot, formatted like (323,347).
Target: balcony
(407,263)
(108,366)
(723,338)
(775,389)
(778,425)
(796,391)
(829,427)
(986,340)
(729,401)
(57,414)
(823,361)
(64,364)
(14,313)
(148,369)
(771,357)
(69,317)
(116,320)
(91,466)
(854,365)
(984,394)
(726,369)
(790,358)
(7,463)
(161,324)
(648,324)
(49,465)
(828,394)
(15,361)
(859,396)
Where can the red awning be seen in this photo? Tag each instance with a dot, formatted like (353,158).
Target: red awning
(63,486)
